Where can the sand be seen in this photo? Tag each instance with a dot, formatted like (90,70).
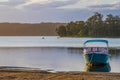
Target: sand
(32,74)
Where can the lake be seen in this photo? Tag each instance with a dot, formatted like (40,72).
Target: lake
(50,52)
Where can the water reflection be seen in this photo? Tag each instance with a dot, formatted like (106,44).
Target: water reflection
(58,59)
(114,52)
(102,68)
(75,50)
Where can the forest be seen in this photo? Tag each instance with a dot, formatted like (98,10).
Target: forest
(96,25)
(29,29)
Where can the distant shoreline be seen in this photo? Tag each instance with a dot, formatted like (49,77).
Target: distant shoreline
(29,29)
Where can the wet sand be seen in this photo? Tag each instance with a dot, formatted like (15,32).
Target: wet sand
(32,74)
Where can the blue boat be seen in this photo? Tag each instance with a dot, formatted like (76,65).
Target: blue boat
(96,54)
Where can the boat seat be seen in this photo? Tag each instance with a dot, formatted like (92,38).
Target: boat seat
(95,49)
(102,49)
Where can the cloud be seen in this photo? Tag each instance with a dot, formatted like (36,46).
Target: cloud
(54,10)
(3,0)
(12,2)
(36,12)
(49,1)
(34,4)
(60,4)
(113,6)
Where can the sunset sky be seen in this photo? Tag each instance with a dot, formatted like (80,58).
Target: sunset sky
(35,11)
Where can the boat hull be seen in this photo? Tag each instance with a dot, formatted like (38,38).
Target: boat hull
(96,58)
(103,68)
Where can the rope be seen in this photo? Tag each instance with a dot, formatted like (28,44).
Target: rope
(90,64)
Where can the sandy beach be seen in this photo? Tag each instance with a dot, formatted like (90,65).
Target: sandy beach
(32,74)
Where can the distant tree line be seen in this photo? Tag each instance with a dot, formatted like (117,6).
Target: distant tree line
(94,26)
(29,29)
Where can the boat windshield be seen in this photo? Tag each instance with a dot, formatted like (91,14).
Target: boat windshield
(95,44)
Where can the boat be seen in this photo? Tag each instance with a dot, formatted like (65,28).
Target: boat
(95,54)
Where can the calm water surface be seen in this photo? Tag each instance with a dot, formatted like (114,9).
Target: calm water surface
(50,53)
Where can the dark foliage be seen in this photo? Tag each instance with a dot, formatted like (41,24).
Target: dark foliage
(95,26)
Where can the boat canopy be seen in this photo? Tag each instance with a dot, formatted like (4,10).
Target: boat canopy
(105,41)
